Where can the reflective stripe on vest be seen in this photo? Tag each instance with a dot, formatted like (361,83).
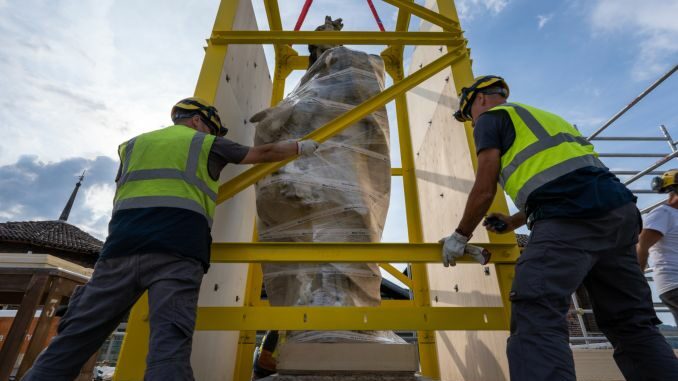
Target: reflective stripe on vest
(190,175)
(523,170)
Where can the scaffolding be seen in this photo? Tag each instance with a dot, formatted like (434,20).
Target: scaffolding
(416,314)
(635,174)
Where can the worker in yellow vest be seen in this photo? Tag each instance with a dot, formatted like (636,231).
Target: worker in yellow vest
(159,241)
(584,226)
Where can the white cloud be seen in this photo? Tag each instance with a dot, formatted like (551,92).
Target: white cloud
(99,200)
(543,19)
(468,9)
(89,75)
(652,27)
(11,212)
(99,205)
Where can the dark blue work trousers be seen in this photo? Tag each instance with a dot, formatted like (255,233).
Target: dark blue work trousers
(600,253)
(96,309)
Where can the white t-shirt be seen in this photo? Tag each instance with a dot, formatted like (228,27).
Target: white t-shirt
(664,253)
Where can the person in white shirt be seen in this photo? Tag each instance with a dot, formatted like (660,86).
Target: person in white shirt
(659,241)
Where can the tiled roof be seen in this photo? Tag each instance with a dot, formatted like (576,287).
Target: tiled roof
(52,234)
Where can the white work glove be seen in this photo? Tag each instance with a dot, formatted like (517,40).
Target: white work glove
(453,248)
(306,147)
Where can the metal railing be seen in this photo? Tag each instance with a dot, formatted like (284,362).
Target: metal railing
(651,170)
(633,103)
(596,338)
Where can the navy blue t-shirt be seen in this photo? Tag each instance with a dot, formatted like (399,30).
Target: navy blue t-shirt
(583,193)
(164,230)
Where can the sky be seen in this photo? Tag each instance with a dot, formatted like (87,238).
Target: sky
(79,77)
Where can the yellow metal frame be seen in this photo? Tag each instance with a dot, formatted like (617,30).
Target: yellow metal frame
(416,314)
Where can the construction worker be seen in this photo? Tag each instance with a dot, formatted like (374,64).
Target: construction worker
(159,240)
(660,239)
(584,226)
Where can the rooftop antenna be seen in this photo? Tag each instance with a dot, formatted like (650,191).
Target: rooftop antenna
(69,204)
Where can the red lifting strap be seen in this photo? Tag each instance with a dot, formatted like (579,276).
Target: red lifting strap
(302,16)
(376,16)
(307,5)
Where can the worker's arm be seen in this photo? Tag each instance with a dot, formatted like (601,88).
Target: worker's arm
(272,152)
(484,188)
(647,238)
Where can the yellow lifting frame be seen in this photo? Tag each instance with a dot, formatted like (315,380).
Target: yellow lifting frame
(407,315)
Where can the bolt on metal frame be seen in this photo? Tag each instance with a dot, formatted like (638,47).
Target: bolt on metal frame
(416,314)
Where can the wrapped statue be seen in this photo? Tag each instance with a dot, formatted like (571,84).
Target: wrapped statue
(339,194)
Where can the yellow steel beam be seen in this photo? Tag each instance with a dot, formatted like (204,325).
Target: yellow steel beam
(386,302)
(393,55)
(337,125)
(345,252)
(403,20)
(396,303)
(396,171)
(208,81)
(396,273)
(223,37)
(428,354)
(350,318)
(297,62)
(273,14)
(132,358)
(425,14)
(505,275)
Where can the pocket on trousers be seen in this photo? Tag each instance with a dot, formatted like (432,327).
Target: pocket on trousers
(72,306)
(529,279)
(184,314)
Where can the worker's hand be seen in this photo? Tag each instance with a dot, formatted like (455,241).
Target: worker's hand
(306,147)
(453,248)
(499,223)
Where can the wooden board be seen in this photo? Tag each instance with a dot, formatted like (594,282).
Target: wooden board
(597,365)
(32,261)
(244,89)
(445,176)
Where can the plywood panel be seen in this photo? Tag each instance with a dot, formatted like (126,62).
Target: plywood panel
(445,176)
(244,89)
(424,98)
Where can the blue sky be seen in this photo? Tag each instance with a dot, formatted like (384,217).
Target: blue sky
(79,77)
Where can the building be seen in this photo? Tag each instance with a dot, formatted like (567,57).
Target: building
(41,263)
(57,238)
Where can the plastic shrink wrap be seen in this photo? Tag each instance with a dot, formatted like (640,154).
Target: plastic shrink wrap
(338,194)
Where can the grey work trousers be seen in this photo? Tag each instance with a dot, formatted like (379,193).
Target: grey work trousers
(96,309)
(600,253)
(670,299)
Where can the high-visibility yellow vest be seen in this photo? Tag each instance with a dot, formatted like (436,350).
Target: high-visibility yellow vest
(167,168)
(546,147)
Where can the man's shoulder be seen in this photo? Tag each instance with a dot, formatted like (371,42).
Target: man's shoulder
(664,210)
(497,119)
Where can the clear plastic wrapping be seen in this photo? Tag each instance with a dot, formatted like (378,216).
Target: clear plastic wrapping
(338,194)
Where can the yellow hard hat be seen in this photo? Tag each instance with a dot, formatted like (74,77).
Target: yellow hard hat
(188,107)
(468,94)
(667,182)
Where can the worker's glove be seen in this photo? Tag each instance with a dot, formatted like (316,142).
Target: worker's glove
(453,248)
(306,147)
(479,254)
